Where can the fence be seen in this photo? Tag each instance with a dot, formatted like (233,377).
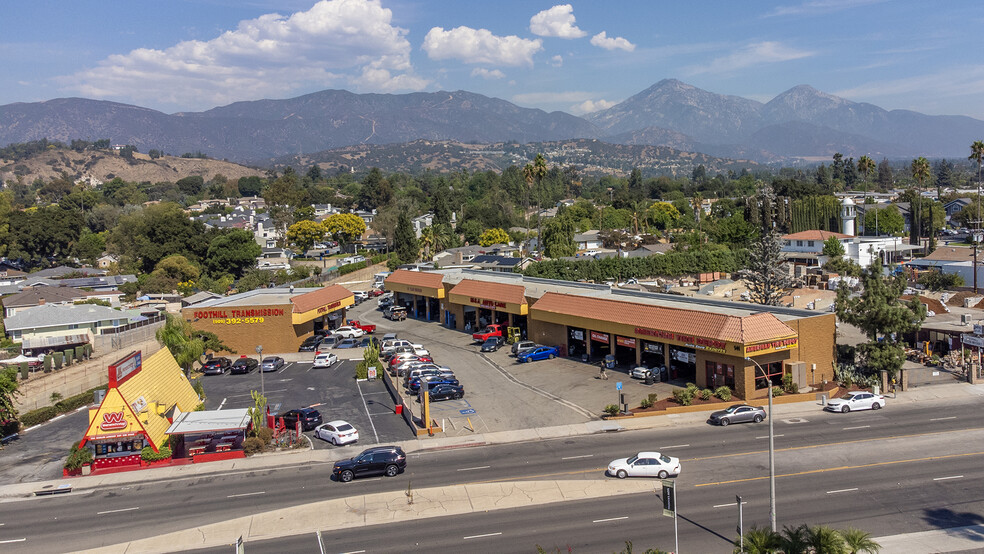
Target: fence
(124,336)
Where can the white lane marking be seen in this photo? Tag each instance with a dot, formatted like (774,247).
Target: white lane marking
(674,446)
(842,490)
(57,418)
(120,510)
(221,404)
(473,468)
(729,504)
(321,545)
(481,536)
(245,494)
(354,552)
(367,411)
(576,457)
(13,540)
(767,436)
(610,519)
(858,427)
(943,418)
(86,407)
(950,477)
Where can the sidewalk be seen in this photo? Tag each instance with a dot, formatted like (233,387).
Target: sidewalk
(273,460)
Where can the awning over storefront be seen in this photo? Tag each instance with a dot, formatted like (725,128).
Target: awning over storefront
(420,283)
(312,305)
(212,421)
(38,343)
(493,296)
(725,334)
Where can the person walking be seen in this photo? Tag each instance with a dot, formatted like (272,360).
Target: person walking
(604,374)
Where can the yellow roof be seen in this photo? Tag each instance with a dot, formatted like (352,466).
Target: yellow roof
(161,384)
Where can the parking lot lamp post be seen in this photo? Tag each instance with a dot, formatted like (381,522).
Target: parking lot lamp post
(772,452)
(259,351)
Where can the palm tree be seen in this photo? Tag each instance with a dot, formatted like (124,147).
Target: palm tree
(528,172)
(793,540)
(639,208)
(977,154)
(824,539)
(758,541)
(857,541)
(539,172)
(865,166)
(698,204)
(920,171)
(426,241)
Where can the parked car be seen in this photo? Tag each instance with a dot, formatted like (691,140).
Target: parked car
(523,346)
(395,313)
(325,359)
(347,343)
(243,365)
(446,392)
(309,418)
(337,432)
(376,292)
(367,328)
(641,371)
(493,330)
(385,301)
(492,344)
(389,336)
(360,296)
(739,413)
(427,372)
(415,350)
(381,460)
(644,464)
(390,346)
(400,358)
(329,342)
(310,344)
(216,366)
(538,353)
(272,363)
(367,341)
(856,400)
(415,384)
(349,332)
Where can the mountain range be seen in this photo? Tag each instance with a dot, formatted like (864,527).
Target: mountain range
(801,123)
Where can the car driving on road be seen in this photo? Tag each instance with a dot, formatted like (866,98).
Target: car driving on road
(381,460)
(856,400)
(645,464)
(739,413)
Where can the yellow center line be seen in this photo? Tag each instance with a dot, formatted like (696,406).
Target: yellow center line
(825,470)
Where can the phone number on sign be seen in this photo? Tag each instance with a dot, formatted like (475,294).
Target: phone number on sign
(237,320)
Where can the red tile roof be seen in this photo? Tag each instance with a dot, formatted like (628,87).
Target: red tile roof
(815,234)
(754,328)
(515,294)
(321,297)
(416,278)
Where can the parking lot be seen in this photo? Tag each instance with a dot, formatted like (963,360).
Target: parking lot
(332,391)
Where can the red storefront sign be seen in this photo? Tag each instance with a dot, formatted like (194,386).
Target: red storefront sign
(600,337)
(113,421)
(625,341)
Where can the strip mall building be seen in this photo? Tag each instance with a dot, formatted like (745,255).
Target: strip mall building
(278,319)
(706,341)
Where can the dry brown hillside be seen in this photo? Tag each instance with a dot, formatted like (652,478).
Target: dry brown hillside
(101,166)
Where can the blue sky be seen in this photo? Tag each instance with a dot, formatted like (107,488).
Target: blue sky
(577,57)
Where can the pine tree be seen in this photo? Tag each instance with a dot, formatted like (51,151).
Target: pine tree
(442,211)
(766,275)
(405,240)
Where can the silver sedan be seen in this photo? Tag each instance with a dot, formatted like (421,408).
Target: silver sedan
(739,413)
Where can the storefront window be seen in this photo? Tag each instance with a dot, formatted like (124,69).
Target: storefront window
(773,375)
(720,374)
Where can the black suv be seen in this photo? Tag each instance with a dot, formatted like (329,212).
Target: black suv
(309,417)
(216,366)
(381,460)
(243,365)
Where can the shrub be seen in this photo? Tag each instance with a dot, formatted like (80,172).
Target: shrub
(788,385)
(652,397)
(684,397)
(646,403)
(78,457)
(691,387)
(55,397)
(776,391)
(148,454)
(265,434)
(706,394)
(612,410)
(253,445)
(724,393)
(35,417)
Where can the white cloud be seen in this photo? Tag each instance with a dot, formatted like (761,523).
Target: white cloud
(487,74)
(951,82)
(820,6)
(601,40)
(479,46)
(558,21)
(557,60)
(753,54)
(335,42)
(589,106)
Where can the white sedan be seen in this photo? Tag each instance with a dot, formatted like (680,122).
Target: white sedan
(645,464)
(856,400)
(325,359)
(349,332)
(337,432)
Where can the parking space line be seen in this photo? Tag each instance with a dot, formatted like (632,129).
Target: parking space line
(367,411)
(221,404)
(288,364)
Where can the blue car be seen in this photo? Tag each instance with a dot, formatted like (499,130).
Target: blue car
(538,353)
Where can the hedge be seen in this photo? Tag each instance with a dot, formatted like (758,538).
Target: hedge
(349,268)
(671,264)
(36,417)
(148,454)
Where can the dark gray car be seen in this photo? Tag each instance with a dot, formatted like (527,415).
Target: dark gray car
(739,413)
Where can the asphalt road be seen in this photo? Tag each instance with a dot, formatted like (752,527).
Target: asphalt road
(870,469)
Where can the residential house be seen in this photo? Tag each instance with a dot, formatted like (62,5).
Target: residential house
(11,276)
(951,260)
(201,296)
(106,261)
(322,211)
(954,206)
(274,258)
(368,217)
(503,264)
(53,327)
(588,240)
(805,249)
(422,222)
(57,296)
(465,254)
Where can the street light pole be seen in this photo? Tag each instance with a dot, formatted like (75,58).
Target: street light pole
(259,351)
(772,453)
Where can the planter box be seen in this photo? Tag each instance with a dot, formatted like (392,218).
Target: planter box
(145,463)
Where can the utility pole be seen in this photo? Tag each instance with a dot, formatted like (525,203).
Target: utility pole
(259,351)
(772,452)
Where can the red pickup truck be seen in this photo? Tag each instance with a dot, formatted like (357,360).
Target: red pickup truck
(369,329)
(494,330)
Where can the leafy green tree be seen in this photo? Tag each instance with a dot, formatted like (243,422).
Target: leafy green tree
(535,173)
(191,185)
(232,253)
(4,221)
(405,240)
(376,190)
(881,316)
(833,248)
(884,221)
(977,154)
(558,237)
(442,211)
(793,540)
(304,234)
(145,237)
(493,236)
(89,247)
(314,173)
(250,186)
(42,236)
(766,274)
(8,390)
(187,344)
(936,280)
(344,227)
(734,231)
